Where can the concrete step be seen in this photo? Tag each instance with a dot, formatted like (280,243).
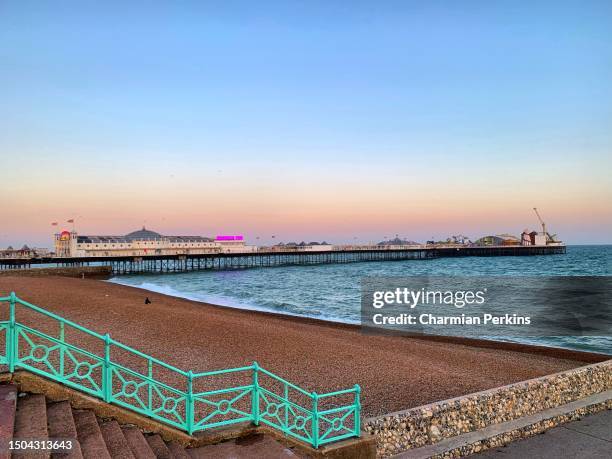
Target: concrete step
(177,450)
(8,405)
(60,425)
(32,417)
(138,444)
(116,442)
(159,448)
(256,446)
(31,423)
(89,434)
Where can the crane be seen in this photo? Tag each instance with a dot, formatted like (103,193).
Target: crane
(535,209)
(548,236)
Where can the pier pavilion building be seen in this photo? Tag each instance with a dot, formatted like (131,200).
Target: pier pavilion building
(141,243)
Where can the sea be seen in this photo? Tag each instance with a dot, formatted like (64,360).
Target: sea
(332,292)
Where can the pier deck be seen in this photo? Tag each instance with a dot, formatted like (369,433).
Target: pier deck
(259,259)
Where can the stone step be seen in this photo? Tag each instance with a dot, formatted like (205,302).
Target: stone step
(138,444)
(31,423)
(257,446)
(8,405)
(177,450)
(116,442)
(60,425)
(159,448)
(31,416)
(89,434)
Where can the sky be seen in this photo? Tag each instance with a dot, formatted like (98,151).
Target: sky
(319,120)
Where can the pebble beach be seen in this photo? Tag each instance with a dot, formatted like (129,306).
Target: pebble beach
(394,372)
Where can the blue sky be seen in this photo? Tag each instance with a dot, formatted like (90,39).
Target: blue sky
(297,94)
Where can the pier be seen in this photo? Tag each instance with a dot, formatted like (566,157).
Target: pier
(260,259)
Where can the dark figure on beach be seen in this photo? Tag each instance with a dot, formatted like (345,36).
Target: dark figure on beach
(147,300)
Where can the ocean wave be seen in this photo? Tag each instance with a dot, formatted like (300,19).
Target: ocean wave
(229,302)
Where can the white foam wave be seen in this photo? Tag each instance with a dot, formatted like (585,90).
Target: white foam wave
(222,300)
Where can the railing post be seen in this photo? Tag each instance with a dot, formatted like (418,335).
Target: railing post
(357,410)
(62,348)
(11,339)
(255,395)
(286,394)
(190,405)
(315,420)
(107,385)
(150,391)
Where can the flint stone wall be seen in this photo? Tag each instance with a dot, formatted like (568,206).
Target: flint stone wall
(428,424)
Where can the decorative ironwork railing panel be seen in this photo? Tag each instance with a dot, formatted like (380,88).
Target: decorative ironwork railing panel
(260,397)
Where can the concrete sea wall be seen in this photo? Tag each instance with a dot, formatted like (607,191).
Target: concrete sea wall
(429,424)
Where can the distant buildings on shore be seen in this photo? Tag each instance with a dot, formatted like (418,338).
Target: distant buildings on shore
(24,252)
(145,242)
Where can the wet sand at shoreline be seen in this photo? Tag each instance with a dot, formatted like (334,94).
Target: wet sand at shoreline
(394,372)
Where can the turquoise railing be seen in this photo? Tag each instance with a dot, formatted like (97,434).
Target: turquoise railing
(253,394)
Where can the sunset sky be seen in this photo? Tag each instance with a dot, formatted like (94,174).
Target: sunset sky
(311,120)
